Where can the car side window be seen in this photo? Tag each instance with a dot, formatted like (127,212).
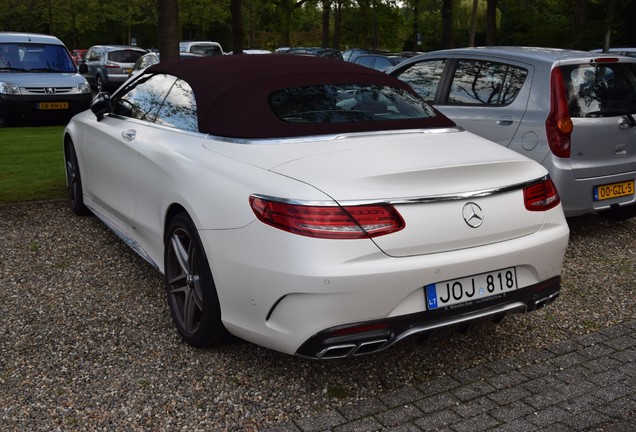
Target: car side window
(424,77)
(179,109)
(477,82)
(144,99)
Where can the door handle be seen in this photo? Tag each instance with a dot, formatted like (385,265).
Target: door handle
(504,121)
(129,134)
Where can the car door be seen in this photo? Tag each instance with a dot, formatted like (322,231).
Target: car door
(113,153)
(485,96)
(93,57)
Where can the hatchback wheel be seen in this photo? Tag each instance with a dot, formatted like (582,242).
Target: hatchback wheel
(100,84)
(192,296)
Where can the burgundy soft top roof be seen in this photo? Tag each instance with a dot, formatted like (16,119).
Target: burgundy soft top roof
(232,93)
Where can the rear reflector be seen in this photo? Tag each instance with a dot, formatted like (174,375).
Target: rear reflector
(329,222)
(541,196)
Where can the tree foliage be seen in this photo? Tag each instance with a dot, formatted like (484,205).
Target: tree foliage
(373,24)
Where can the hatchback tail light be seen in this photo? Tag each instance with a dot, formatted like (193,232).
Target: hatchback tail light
(541,196)
(329,222)
(558,125)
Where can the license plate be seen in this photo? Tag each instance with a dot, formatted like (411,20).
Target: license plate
(613,190)
(471,288)
(52,105)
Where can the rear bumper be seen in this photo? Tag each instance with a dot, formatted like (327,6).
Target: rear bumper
(27,107)
(373,336)
(577,193)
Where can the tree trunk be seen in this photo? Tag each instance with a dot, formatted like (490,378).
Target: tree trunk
(611,10)
(580,17)
(473,24)
(326,12)
(491,22)
(447,24)
(168,15)
(416,27)
(337,23)
(237,27)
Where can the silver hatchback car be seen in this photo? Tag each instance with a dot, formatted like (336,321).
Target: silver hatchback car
(572,111)
(106,67)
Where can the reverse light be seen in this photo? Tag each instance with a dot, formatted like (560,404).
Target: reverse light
(328,222)
(558,125)
(541,196)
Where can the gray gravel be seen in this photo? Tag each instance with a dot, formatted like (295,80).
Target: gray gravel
(87,343)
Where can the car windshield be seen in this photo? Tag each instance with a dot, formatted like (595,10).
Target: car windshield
(606,89)
(32,57)
(347,103)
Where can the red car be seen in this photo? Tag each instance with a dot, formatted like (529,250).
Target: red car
(78,55)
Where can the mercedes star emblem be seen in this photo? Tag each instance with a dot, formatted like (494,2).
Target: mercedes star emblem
(473,215)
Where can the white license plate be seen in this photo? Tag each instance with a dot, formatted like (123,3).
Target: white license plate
(470,289)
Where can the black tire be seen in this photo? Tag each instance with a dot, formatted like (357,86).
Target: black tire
(192,297)
(74,182)
(99,83)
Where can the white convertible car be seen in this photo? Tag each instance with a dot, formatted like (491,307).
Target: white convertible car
(314,207)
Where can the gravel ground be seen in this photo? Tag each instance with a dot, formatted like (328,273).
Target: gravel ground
(86,340)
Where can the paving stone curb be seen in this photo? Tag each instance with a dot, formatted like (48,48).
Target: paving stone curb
(584,384)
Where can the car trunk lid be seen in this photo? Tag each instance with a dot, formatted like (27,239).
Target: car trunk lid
(436,182)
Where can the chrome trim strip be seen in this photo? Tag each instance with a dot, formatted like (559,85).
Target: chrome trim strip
(334,137)
(405,200)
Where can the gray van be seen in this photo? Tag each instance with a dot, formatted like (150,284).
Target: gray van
(571,111)
(38,79)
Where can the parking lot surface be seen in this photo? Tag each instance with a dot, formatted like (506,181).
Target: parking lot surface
(87,343)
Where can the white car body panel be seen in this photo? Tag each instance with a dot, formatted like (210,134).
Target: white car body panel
(329,280)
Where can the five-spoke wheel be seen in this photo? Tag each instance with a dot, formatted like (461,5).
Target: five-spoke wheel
(192,296)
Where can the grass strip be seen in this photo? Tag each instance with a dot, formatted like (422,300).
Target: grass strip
(31,164)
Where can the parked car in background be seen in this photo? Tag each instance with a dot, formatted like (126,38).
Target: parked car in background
(38,79)
(351,54)
(572,111)
(378,62)
(207,48)
(106,67)
(78,55)
(348,217)
(152,58)
(313,51)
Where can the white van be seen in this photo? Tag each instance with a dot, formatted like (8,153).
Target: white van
(38,79)
(207,48)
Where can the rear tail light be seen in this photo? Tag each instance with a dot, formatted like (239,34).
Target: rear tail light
(558,125)
(541,196)
(329,222)
(112,66)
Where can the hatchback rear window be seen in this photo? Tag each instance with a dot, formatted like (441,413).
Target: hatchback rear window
(126,56)
(598,90)
(347,103)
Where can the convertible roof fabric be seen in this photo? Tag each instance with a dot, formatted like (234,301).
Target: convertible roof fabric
(232,93)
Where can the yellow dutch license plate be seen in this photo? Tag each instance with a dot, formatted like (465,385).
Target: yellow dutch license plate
(613,190)
(52,105)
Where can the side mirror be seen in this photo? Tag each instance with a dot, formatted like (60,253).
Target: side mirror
(100,105)
(83,69)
